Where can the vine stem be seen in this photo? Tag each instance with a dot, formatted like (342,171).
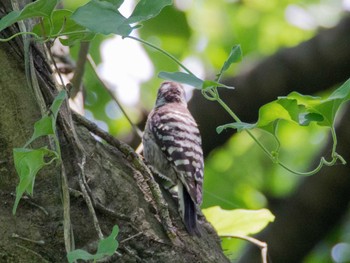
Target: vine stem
(235,117)
(19,34)
(214,96)
(322,162)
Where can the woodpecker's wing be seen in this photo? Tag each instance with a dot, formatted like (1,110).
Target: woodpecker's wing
(177,135)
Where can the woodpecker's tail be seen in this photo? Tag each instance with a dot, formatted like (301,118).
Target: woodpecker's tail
(188,211)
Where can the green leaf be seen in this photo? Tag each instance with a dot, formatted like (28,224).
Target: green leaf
(76,254)
(238,221)
(106,247)
(77,38)
(182,77)
(110,20)
(207,84)
(109,245)
(41,8)
(297,108)
(116,3)
(192,80)
(307,118)
(235,56)
(61,23)
(329,107)
(47,124)
(56,104)
(43,127)
(147,9)
(28,163)
(235,125)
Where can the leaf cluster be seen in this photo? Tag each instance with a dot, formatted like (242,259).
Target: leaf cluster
(28,161)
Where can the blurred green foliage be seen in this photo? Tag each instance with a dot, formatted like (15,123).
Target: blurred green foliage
(237,175)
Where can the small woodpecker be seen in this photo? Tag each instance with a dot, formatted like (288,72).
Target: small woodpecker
(172,147)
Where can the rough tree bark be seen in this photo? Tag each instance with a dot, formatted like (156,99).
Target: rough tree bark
(117,186)
(321,201)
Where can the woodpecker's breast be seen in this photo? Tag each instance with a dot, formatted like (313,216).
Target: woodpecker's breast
(176,133)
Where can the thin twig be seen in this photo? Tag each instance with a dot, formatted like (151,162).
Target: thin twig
(33,252)
(28,200)
(87,198)
(79,69)
(131,253)
(105,86)
(111,212)
(258,243)
(38,242)
(129,238)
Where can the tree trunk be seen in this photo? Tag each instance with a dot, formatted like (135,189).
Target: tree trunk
(112,178)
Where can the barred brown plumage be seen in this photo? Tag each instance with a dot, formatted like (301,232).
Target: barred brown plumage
(172,147)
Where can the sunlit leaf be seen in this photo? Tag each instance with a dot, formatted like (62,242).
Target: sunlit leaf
(238,221)
(110,20)
(330,106)
(298,108)
(147,9)
(235,56)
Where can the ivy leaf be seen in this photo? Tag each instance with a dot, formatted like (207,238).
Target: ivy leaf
(106,247)
(239,126)
(298,108)
(147,9)
(42,8)
(43,127)
(207,84)
(61,23)
(28,163)
(109,245)
(192,80)
(116,3)
(182,77)
(235,56)
(238,221)
(110,20)
(56,104)
(47,124)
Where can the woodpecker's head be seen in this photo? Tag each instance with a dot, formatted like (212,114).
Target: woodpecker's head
(170,92)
